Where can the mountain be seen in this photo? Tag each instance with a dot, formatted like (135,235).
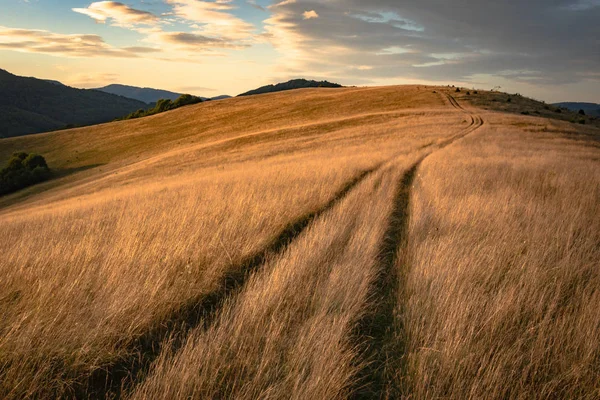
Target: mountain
(54,82)
(591,109)
(221,97)
(293,84)
(147,95)
(30,105)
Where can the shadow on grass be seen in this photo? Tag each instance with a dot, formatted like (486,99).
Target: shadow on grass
(55,179)
(377,332)
(121,377)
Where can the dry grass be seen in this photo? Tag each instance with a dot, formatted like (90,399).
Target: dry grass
(502,286)
(95,266)
(237,249)
(288,333)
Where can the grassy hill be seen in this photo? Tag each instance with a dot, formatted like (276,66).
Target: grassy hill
(290,85)
(315,243)
(29,105)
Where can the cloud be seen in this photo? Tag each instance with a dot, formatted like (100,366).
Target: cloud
(195,89)
(211,24)
(118,13)
(439,41)
(196,45)
(257,6)
(213,19)
(310,14)
(74,45)
(92,80)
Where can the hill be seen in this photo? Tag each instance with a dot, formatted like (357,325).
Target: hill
(290,85)
(221,97)
(149,95)
(146,95)
(30,105)
(592,109)
(390,242)
(521,105)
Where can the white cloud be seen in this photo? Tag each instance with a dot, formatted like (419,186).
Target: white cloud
(118,13)
(74,45)
(310,14)
(213,19)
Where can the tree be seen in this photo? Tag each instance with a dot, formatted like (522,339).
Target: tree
(34,161)
(23,170)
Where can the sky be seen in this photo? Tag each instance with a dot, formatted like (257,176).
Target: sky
(545,49)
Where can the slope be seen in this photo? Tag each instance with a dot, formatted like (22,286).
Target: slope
(305,244)
(30,105)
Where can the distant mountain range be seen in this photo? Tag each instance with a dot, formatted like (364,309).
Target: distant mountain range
(591,109)
(221,97)
(293,84)
(30,105)
(148,95)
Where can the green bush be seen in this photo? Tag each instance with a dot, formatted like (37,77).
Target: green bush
(23,170)
(163,105)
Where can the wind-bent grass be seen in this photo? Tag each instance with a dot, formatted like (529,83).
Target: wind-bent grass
(498,285)
(503,286)
(289,332)
(82,282)
(97,262)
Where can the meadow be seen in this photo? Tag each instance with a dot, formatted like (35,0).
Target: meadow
(354,243)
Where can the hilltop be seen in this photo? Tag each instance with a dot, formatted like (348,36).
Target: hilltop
(290,85)
(356,243)
(30,105)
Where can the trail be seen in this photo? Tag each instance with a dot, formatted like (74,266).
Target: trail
(118,378)
(378,331)
(112,381)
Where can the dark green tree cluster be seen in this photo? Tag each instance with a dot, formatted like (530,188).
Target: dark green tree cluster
(23,170)
(165,105)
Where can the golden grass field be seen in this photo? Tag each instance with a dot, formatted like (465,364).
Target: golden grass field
(392,242)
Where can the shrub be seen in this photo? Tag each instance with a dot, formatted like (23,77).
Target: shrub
(581,112)
(23,170)
(509,100)
(34,161)
(163,105)
(457,90)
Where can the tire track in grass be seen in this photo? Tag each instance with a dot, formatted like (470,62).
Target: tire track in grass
(113,380)
(377,332)
(120,377)
(377,328)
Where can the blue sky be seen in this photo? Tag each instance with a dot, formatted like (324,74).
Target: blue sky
(547,49)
